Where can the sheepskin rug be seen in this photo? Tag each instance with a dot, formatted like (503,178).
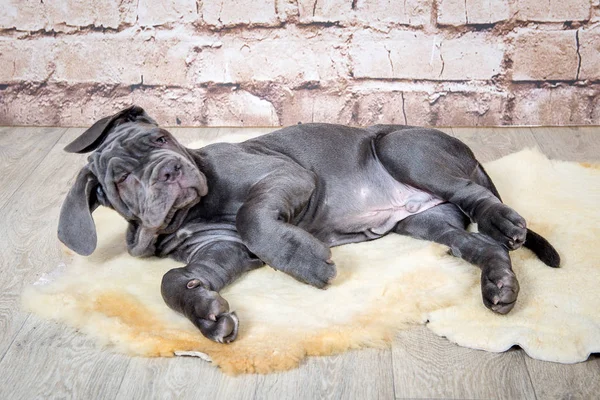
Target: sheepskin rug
(382,286)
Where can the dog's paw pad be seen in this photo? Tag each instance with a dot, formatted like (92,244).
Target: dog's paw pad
(224,329)
(319,274)
(500,289)
(209,304)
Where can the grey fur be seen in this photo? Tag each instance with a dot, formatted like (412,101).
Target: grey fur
(284,199)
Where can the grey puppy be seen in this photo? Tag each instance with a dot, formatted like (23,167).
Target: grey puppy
(284,199)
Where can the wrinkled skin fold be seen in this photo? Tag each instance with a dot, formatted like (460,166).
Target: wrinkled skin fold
(284,199)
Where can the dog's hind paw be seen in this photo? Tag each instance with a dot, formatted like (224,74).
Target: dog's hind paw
(500,288)
(504,225)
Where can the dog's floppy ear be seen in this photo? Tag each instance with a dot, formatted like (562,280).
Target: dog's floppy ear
(76,228)
(93,137)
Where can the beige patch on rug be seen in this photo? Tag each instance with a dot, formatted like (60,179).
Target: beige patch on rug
(382,286)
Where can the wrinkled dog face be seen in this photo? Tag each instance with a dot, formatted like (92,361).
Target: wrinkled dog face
(140,171)
(145,175)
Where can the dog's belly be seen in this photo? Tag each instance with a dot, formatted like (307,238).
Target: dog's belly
(368,207)
(379,219)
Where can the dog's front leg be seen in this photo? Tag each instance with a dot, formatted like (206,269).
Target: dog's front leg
(193,289)
(266,224)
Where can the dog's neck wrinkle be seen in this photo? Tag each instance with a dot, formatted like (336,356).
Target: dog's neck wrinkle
(199,158)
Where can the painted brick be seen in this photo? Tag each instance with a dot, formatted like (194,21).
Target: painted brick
(283,61)
(562,105)
(411,108)
(367,12)
(466,12)
(410,12)
(589,40)
(240,12)
(160,12)
(82,105)
(287,9)
(164,63)
(122,61)
(33,15)
(173,106)
(553,10)
(316,106)
(96,59)
(469,109)
(541,55)
(87,60)
(324,11)
(239,108)
(414,55)
(290,58)
(25,60)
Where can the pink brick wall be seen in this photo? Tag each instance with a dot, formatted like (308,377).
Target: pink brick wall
(277,62)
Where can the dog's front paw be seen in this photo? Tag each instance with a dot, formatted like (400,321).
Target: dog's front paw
(306,259)
(500,288)
(223,330)
(210,313)
(316,273)
(504,225)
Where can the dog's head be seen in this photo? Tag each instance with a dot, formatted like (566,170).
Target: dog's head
(137,169)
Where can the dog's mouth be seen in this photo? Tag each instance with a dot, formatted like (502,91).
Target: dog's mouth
(177,214)
(173,221)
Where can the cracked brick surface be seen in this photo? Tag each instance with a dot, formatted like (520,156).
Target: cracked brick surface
(280,62)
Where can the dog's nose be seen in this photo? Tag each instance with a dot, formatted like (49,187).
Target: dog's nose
(169,172)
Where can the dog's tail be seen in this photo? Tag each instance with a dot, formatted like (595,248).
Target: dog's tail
(542,248)
(533,241)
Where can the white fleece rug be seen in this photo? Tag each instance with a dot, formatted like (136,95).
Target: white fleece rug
(382,286)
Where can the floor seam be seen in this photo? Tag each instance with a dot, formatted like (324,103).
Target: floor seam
(13,339)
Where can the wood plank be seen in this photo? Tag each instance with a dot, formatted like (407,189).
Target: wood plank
(21,150)
(29,246)
(358,374)
(49,360)
(43,357)
(182,378)
(569,143)
(428,366)
(563,381)
(492,143)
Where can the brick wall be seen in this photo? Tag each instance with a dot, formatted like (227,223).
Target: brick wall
(277,62)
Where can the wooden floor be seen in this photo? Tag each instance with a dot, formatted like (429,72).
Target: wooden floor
(42,359)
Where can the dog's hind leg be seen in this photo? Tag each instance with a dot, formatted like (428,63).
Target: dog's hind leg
(446,224)
(432,161)
(193,290)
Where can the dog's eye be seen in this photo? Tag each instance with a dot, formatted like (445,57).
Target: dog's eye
(161,140)
(100,192)
(122,178)
(101,196)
